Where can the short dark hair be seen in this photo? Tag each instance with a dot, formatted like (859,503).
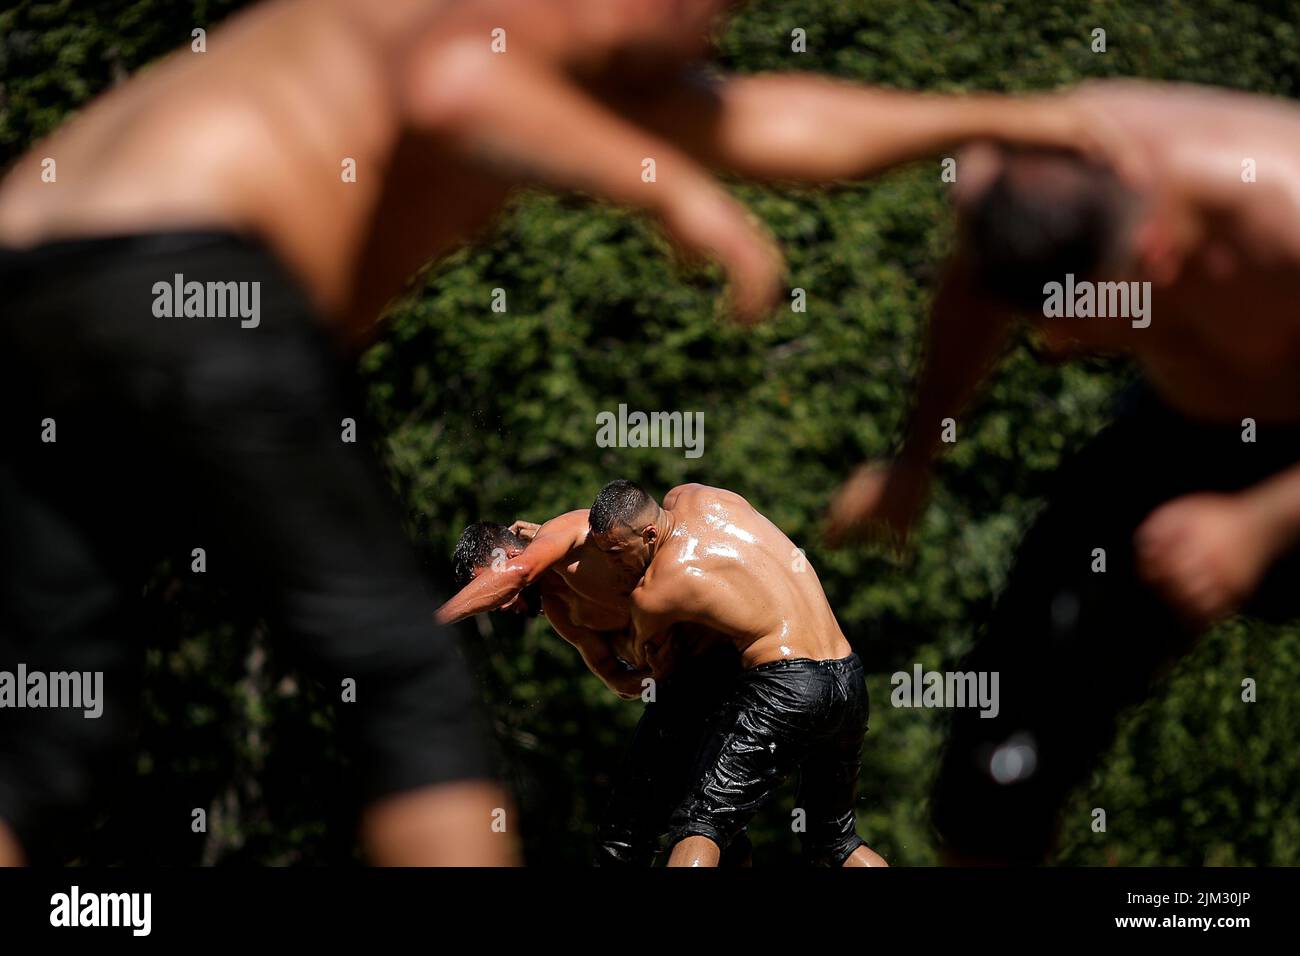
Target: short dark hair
(1046,214)
(475,547)
(620,500)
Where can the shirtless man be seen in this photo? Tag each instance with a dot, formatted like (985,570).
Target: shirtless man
(707,558)
(182,259)
(1193,493)
(555,570)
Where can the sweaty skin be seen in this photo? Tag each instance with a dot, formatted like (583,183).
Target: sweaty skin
(1223,344)
(717,562)
(713,561)
(585,598)
(253,136)
(11,851)
(561,560)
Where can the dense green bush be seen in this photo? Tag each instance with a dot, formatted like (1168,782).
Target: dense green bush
(484,415)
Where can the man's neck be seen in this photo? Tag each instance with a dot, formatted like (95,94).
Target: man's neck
(666,523)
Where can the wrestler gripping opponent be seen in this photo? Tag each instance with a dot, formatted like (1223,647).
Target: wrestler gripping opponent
(707,558)
(556,570)
(1193,492)
(297,173)
(556,573)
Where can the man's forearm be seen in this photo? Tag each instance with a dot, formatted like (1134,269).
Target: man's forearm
(802,127)
(487,592)
(1277,504)
(625,683)
(595,654)
(966,336)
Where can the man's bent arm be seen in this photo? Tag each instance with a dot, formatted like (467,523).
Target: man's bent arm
(807,128)
(966,336)
(495,586)
(1207,553)
(674,600)
(1277,501)
(595,650)
(535,125)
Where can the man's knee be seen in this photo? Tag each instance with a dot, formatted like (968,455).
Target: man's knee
(11,851)
(832,843)
(695,850)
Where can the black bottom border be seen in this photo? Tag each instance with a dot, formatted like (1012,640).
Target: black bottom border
(923,905)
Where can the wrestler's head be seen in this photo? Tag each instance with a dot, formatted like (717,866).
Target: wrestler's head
(484,545)
(1030,217)
(624,526)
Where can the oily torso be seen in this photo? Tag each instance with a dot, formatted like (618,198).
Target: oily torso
(745,578)
(598,596)
(258,135)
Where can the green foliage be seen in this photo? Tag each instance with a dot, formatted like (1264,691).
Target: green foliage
(489,416)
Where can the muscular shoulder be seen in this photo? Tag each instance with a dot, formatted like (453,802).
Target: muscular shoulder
(695,494)
(1171,116)
(679,494)
(578,517)
(570,526)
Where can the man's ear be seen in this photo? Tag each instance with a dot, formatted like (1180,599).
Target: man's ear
(1156,255)
(514,553)
(650,533)
(977,166)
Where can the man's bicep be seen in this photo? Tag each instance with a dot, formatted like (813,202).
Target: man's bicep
(546,550)
(688,599)
(650,626)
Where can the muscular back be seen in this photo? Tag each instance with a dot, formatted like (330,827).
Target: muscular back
(726,567)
